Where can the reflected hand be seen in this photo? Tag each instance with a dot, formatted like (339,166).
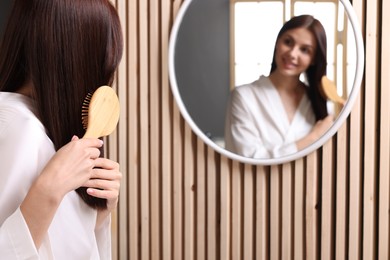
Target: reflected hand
(316,132)
(321,127)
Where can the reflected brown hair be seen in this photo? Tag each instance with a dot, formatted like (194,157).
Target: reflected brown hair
(67,48)
(318,69)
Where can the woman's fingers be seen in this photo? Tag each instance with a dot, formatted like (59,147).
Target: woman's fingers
(93,153)
(88,142)
(102,184)
(107,164)
(104,189)
(105,181)
(103,194)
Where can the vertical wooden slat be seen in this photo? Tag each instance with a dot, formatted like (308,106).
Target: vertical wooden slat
(262,213)
(131,249)
(201,202)
(120,242)
(144,130)
(355,162)
(341,195)
(370,119)
(189,197)
(236,211)
(312,239)
(327,222)
(225,209)
(177,186)
(275,213)
(299,210)
(248,219)
(155,128)
(287,212)
(176,6)
(384,157)
(166,136)
(177,173)
(212,222)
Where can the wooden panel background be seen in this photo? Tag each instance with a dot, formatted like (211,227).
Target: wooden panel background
(181,200)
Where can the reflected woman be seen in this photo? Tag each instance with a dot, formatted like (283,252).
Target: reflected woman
(279,115)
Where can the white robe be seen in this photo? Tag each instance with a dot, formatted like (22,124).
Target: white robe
(257,125)
(24,150)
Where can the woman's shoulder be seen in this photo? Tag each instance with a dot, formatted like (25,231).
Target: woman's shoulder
(17,115)
(22,136)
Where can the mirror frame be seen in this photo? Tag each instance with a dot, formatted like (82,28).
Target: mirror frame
(291,157)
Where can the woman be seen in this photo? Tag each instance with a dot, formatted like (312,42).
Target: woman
(53,53)
(279,115)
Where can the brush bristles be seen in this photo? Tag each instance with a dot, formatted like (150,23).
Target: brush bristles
(84,110)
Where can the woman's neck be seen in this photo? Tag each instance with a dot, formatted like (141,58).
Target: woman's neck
(289,84)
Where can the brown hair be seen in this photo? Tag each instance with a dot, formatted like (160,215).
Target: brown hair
(318,69)
(67,48)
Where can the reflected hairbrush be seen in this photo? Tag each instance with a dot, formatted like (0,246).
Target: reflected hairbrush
(329,89)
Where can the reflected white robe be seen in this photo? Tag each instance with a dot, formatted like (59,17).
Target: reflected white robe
(24,150)
(257,125)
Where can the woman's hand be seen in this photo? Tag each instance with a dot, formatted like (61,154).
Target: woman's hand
(72,165)
(105,184)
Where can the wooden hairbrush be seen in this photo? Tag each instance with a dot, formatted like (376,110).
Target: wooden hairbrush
(100,112)
(100,115)
(330,91)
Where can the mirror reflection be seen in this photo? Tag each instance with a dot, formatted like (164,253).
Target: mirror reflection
(221,45)
(250,60)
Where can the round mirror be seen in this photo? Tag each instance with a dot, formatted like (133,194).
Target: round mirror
(216,46)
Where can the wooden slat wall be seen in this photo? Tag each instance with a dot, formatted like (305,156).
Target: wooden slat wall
(181,200)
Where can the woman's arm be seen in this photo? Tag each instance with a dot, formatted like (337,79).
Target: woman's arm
(69,168)
(318,130)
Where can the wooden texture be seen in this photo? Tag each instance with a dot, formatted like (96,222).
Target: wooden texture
(181,200)
(384,140)
(100,112)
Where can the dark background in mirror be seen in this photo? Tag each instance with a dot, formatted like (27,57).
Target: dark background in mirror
(204,86)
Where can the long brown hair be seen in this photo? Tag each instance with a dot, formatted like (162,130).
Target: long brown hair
(318,69)
(67,48)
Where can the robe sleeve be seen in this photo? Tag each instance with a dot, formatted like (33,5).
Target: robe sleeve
(21,142)
(15,239)
(103,239)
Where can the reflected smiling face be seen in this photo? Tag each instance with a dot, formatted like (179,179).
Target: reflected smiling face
(295,51)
